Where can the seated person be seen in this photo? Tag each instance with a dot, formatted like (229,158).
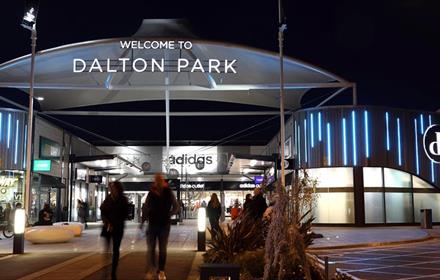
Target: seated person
(45,216)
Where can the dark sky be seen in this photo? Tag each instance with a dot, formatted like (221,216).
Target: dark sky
(390,48)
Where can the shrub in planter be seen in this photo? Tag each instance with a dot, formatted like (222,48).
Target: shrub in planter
(251,263)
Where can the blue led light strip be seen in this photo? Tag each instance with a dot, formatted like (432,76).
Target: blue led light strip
(387,122)
(329,151)
(9,130)
(422,127)
(319,127)
(399,148)
(367,137)
(344,140)
(312,141)
(1,121)
(416,146)
(299,145)
(25,146)
(353,133)
(305,140)
(16,142)
(432,163)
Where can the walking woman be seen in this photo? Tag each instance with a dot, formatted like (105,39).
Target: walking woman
(158,208)
(214,211)
(114,211)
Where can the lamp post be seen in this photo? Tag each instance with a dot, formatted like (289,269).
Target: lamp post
(19,226)
(282,27)
(29,22)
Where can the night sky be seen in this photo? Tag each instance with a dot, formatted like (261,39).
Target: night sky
(389,48)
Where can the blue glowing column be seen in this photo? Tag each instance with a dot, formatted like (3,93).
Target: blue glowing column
(319,127)
(416,143)
(387,122)
(399,144)
(312,140)
(367,136)
(329,149)
(25,150)
(344,140)
(353,134)
(16,142)
(9,130)
(305,141)
(432,163)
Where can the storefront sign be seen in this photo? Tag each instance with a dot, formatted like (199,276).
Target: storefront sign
(42,165)
(431,143)
(248,186)
(258,179)
(192,186)
(6,182)
(95,179)
(191,159)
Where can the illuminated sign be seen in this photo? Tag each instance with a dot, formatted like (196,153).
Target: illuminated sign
(140,64)
(431,143)
(7,181)
(42,165)
(191,159)
(192,186)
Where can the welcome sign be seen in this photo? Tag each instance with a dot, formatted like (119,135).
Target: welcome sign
(142,64)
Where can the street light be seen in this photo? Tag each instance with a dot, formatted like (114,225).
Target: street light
(19,226)
(29,22)
(201,229)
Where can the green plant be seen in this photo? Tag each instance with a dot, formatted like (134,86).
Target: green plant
(245,234)
(251,263)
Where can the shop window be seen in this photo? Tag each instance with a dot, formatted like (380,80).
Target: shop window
(421,184)
(334,208)
(398,208)
(372,177)
(338,177)
(396,178)
(427,201)
(374,212)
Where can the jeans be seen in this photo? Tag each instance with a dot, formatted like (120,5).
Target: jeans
(116,237)
(160,233)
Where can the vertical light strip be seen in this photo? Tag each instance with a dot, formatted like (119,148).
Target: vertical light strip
(16,142)
(416,140)
(344,140)
(305,140)
(422,126)
(367,136)
(1,126)
(312,141)
(399,147)
(25,146)
(387,122)
(9,130)
(353,133)
(299,145)
(432,163)
(319,127)
(296,139)
(329,151)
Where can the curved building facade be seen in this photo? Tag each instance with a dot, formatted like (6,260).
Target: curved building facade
(369,163)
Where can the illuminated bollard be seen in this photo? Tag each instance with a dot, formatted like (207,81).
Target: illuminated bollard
(19,226)
(201,226)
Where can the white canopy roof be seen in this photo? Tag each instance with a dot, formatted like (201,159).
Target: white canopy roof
(255,83)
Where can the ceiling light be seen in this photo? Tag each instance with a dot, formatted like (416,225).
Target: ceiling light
(253,162)
(40,98)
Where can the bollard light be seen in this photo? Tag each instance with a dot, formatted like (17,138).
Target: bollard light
(201,226)
(19,226)
(201,219)
(19,221)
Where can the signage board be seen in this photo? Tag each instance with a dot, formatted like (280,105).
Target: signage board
(431,143)
(191,159)
(258,179)
(95,179)
(42,165)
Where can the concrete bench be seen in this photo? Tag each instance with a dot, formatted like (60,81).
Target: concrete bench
(75,227)
(48,234)
(209,270)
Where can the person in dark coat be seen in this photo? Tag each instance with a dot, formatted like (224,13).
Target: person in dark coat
(114,211)
(45,216)
(158,208)
(258,204)
(214,211)
(247,201)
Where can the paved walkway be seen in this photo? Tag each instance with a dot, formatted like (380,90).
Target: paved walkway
(349,236)
(403,262)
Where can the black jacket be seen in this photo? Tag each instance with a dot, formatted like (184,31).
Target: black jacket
(158,209)
(213,213)
(257,206)
(115,211)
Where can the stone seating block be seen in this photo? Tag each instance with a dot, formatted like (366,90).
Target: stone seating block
(48,234)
